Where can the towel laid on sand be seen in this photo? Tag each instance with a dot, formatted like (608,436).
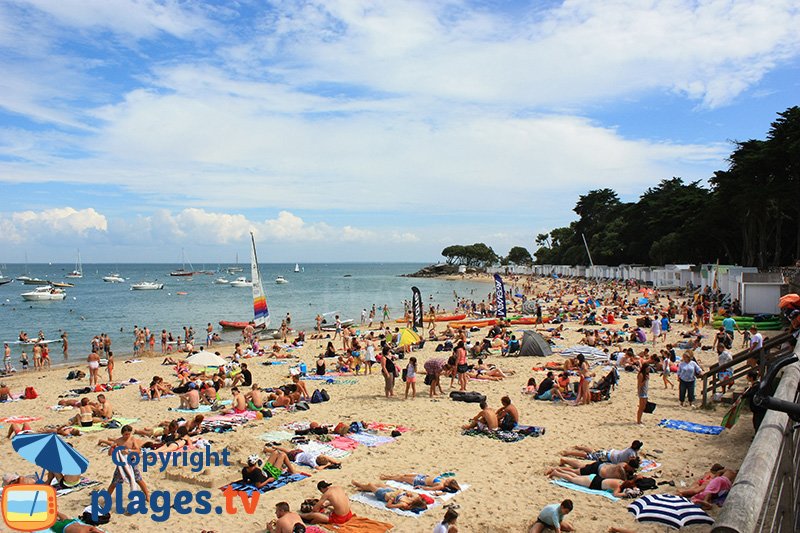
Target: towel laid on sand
(381,426)
(235,418)
(101,426)
(648,466)
(202,408)
(19,419)
(63,491)
(360,524)
(343,443)
(277,436)
(369,498)
(585,490)
(447,496)
(370,440)
(278,483)
(691,427)
(515,435)
(323,448)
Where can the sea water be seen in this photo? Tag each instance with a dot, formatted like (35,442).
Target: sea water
(94,306)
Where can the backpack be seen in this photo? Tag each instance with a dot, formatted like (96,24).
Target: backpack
(30,393)
(302,406)
(325,395)
(645,483)
(316,397)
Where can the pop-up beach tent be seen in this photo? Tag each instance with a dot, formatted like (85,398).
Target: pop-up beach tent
(534,344)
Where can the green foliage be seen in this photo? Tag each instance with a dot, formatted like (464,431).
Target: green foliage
(750,215)
(519,256)
(473,255)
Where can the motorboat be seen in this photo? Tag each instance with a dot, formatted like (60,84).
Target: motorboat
(280,280)
(241,282)
(78,272)
(23,278)
(3,280)
(44,294)
(221,281)
(35,281)
(147,286)
(332,327)
(113,278)
(61,284)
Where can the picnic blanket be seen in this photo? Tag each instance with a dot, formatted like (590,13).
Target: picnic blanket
(101,426)
(323,448)
(359,524)
(515,435)
(202,408)
(691,427)
(370,440)
(277,435)
(447,496)
(585,490)
(284,480)
(368,498)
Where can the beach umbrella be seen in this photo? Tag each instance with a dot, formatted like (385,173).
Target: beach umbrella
(406,337)
(206,359)
(434,366)
(50,452)
(670,510)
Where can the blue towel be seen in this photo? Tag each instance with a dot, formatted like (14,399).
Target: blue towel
(579,488)
(278,483)
(691,427)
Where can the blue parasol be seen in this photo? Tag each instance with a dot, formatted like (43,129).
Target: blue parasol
(50,452)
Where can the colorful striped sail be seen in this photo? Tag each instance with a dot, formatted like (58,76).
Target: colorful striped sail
(260,309)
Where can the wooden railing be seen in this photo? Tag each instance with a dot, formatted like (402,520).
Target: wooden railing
(772,348)
(766,493)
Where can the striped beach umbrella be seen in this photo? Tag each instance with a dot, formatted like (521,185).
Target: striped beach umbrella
(670,510)
(50,452)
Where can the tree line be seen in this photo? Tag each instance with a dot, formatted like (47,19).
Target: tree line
(748,215)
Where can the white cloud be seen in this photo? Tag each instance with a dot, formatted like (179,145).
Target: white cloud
(56,223)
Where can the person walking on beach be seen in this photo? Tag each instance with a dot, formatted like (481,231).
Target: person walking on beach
(411,378)
(642,386)
(462,367)
(94,368)
(110,366)
(65,345)
(688,370)
(389,372)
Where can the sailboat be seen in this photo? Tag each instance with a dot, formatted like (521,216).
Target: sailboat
(297,267)
(182,272)
(260,309)
(4,280)
(235,269)
(78,272)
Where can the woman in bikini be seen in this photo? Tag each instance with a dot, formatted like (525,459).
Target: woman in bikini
(615,487)
(394,498)
(422,481)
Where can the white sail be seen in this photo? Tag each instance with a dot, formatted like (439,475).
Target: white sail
(260,309)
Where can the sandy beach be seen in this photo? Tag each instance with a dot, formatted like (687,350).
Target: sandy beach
(507,482)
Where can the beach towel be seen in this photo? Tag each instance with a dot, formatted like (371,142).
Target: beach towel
(59,408)
(691,427)
(589,352)
(101,426)
(344,443)
(234,418)
(331,380)
(380,426)
(284,480)
(323,448)
(515,435)
(359,524)
(445,497)
(19,419)
(202,408)
(370,440)
(276,436)
(732,416)
(585,490)
(648,466)
(368,498)
(82,484)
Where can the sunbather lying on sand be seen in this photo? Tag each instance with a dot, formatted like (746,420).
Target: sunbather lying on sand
(317,461)
(422,481)
(593,481)
(393,498)
(698,486)
(605,456)
(606,470)
(64,524)
(64,431)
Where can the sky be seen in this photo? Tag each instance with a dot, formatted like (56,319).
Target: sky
(349,130)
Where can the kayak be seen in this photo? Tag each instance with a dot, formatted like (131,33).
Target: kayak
(771,325)
(439,318)
(474,323)
(232,324)
(529,320)
(750,319)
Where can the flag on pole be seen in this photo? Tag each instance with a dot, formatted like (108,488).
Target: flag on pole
(500,296)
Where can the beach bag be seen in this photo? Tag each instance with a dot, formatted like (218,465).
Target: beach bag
(507,423)
(302,406)
(325,395)
(316,397)
(390,368)
(30,393)
(649,407)
(428,379)
(645,483)
(467,396)
(356,427)
(405,374)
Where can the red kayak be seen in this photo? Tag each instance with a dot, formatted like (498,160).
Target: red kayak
(231,324)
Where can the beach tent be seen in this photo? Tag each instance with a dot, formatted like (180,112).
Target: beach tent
(534,344)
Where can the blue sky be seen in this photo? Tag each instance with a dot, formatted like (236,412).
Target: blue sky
(353,130)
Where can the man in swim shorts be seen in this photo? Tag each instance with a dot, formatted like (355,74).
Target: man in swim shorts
(552,518)
(334,498)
